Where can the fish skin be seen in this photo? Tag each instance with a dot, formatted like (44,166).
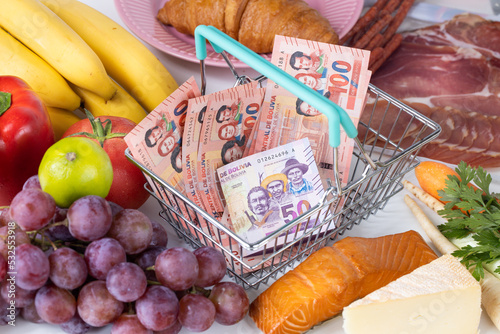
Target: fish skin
(335,276)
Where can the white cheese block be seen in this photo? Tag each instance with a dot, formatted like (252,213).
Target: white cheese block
(441,297)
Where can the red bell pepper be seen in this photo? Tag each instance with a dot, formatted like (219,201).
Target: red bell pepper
(25,134)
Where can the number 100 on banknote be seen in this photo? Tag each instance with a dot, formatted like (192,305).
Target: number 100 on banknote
(338,73)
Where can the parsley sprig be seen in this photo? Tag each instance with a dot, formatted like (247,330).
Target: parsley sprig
(472,211)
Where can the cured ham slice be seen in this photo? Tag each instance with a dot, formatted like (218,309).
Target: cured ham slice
(333,277)
(451,73)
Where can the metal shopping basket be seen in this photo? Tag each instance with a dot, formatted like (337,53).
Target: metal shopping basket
(388,140)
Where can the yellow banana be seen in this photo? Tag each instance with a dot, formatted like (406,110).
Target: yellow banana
(126,59)
(53,40)
(122,104)
(18,60)
(61,120)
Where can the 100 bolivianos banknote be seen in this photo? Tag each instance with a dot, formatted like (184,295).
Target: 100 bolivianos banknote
(339,73)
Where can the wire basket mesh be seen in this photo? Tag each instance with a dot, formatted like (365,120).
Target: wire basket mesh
(391,134)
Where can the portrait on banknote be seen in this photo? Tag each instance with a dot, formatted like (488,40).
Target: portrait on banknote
(261,211)
(227,112)
(171,139)
(297,184)
(276,185)
(314,61)
(315,80)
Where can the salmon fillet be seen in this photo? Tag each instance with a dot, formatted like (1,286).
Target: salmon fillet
(333,277)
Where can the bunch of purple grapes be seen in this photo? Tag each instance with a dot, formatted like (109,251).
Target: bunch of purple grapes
(96,264)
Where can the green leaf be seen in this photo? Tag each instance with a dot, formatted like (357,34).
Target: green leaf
(475,212)
(5,102)
(483,180)
(478,272)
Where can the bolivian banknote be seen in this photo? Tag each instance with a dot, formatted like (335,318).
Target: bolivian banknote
(197,108)
(266,191)
(156,141)
(339,73)
(227,125)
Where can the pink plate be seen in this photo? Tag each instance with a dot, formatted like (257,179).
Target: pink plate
(140,17)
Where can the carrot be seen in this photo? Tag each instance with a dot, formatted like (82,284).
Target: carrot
(432,175)
(490,284)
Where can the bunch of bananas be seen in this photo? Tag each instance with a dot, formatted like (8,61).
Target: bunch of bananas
(73,56)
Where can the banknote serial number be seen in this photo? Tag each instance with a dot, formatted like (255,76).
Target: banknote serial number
(272,156)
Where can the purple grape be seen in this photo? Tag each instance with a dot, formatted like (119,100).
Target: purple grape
(4,216)
(212,266)
(115,208)
(177,268)
(59,232)
(133,229)
(126,281)
(30,314)
(231,302)
(158,308)
(75,325)
(31,266)
(96,306)
(196,313)
(174,329)
(60,215)
(146,259)
(160,236)
(32,209)
(89,218)
(10,292)
(68,269)
(129,323)
(55,305)
(32,182)
(102,255)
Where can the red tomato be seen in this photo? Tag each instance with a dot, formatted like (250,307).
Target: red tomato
(127,189)
(25,135)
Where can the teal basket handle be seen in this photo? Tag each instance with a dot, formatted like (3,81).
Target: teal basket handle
(222,42)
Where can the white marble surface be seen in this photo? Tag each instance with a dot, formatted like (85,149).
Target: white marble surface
(395,217)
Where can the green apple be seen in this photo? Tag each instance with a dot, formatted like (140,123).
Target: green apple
(75,167)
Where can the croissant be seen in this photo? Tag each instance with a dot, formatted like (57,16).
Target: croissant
(253,23)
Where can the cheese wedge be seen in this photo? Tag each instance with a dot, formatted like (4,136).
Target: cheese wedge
(440,297)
